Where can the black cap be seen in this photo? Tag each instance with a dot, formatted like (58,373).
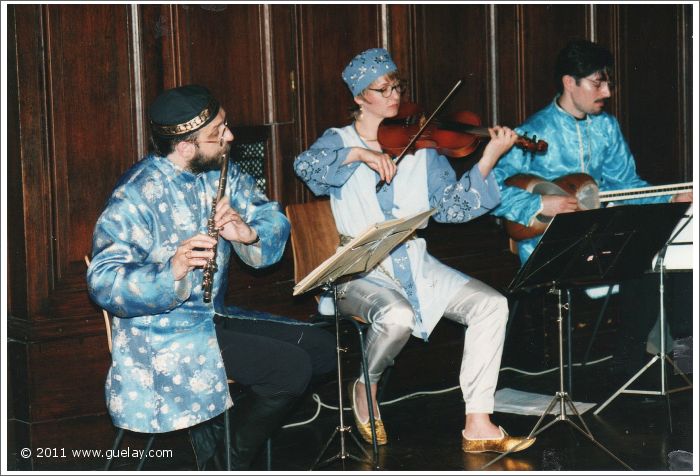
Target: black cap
(182,110)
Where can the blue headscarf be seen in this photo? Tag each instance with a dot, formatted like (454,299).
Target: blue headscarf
(366,67)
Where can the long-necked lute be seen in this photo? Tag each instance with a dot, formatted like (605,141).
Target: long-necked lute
(585,189)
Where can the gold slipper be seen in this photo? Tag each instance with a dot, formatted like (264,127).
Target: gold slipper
(504,444)
(365,429)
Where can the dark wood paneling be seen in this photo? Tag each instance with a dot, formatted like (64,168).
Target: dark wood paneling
(31,206)
(283,58)
(401,25)
(651,119)
(510,107)
(544,30)
(92,128)
(220,46)
(16,258)
(452,43)
(77,386)
(327,44)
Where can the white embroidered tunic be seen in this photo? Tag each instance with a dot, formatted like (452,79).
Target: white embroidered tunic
(424,180)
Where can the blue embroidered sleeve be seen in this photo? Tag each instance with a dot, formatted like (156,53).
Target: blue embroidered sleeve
(264,216)
(458,201)
(128,275)
(322,166)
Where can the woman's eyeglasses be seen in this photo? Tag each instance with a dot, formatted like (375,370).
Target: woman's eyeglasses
(387,90)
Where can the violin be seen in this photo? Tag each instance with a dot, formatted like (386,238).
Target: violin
(457,136)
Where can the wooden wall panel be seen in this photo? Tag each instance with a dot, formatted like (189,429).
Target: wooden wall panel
(452,43)
(649,81)
(16,257)
(91,127)
(281,74)
(78,387)
(401,41)
(327,44)
(28,164)
(282,59)
(510,107)
(544,30)
(220,46)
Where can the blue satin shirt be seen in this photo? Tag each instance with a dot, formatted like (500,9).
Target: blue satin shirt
(167,372)
(593,145)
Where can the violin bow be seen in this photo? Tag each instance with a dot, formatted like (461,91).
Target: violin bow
(399,157)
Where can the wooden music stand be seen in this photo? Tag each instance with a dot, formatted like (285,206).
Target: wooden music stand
(360,255)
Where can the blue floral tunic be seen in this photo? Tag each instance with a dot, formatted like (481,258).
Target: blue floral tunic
(593,145)
(425,180)
(167,372)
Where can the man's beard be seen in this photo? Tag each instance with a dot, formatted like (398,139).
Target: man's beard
(202,163)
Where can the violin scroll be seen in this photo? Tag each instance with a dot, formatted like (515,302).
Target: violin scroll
(531,145)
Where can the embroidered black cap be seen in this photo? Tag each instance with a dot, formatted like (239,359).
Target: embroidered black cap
(182,110)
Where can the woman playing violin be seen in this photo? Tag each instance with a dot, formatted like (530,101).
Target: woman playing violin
(410,291)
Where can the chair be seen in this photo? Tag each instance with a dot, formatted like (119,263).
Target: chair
(314,238)
(149,444)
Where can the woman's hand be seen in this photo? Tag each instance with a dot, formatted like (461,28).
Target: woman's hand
(377,161)
(502,139)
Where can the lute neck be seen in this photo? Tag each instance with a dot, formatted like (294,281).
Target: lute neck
(643,192)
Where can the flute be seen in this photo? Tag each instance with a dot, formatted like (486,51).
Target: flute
(210,268)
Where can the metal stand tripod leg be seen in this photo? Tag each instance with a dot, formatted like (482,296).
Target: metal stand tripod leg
(563,399)
(341,429)
(662,357)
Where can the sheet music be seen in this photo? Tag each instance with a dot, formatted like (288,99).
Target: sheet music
(363,252)
(678,253)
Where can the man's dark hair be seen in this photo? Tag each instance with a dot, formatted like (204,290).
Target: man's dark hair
(581,58)
(163,146)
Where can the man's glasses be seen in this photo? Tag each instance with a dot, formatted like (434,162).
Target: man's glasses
(598,83)
(219,141)
(386,91)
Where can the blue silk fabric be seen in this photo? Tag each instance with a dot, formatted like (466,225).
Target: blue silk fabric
(593,145)
(167,372)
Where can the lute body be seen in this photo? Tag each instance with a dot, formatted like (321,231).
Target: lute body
(585,189)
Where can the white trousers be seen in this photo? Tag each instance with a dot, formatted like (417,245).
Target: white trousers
(479,307)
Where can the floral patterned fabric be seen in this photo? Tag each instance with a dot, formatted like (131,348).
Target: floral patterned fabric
(424,180)
(167,372)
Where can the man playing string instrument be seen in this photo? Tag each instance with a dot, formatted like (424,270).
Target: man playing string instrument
(582,138)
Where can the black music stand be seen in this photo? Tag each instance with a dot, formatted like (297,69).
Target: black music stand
(659,265)
(592,247)
(360,255)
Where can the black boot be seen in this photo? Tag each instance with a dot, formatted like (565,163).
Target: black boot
(207,440)
(254,419)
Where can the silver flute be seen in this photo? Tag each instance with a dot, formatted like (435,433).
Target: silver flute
(210,268)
